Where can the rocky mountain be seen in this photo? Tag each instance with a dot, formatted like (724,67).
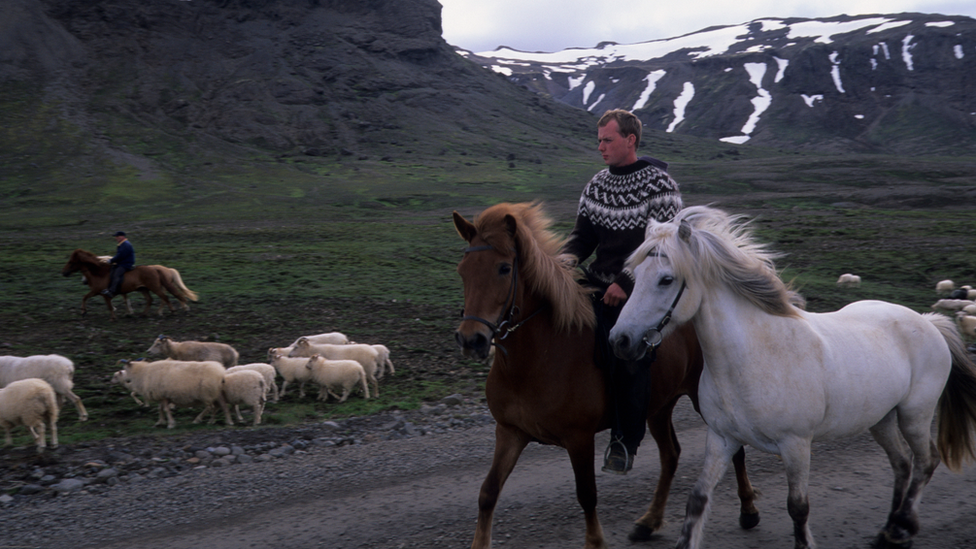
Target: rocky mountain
(902,84)
(332,78)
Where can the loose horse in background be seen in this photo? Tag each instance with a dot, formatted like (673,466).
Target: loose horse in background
(143,278)
(544,384)
(777,377)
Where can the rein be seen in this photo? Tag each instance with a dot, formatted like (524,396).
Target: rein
(502,327)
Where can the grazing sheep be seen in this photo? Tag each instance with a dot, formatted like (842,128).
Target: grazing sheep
(293,371)
(194,350)
(970,309)
(945,286)
(245,387)
(32,403)
(57,370)
(178,382)
(967,324)
(951,305)
(959,293)
(383,360)
(331,375)
(266,370)
(848,280)
(366,355)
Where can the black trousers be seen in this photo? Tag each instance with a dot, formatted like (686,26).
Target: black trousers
(115,278)
(627,382)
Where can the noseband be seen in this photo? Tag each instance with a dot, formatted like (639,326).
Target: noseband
(503,325)
(654,336)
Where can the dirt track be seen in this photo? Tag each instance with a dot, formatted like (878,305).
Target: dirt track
(422,492)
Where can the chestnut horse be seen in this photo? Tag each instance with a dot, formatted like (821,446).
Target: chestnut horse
(544,386)
(143,278)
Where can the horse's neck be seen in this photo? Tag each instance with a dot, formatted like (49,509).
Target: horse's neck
(93,270)
(728,328)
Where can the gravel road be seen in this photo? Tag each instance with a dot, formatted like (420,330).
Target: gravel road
(412,480)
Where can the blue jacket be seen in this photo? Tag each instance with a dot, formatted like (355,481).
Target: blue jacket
(125,256)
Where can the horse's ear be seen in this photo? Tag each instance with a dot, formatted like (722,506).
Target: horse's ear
(684,230)
(464,227)
(511,225)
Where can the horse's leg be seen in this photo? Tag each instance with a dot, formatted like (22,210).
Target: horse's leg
(718,454)
(149,301)
(668,450)
(84,301)
(509,444)
(581,457)
(796,458)
(748,514)
(903,523)
(111,308)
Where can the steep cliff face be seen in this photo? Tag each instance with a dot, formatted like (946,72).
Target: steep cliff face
(902,84)
(319,77)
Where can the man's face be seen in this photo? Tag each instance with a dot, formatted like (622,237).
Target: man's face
(119,239)
(616,149)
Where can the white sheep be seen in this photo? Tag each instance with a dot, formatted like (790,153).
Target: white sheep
(951,305)
(970,309)
(245,387)
(178,382)
(945,286)
(848,280)
(364,354)
(335,338)
(32,403)
(194,350)
(122,379)
(293,371)
(266,370)
(383,360)
(332,375)
(967,324)
(57,370)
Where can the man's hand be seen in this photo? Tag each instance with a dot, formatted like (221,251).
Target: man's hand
(615,295)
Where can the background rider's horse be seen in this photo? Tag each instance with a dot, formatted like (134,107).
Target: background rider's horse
(143,278)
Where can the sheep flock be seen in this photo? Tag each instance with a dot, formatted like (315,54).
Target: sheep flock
(957,302)
(194,374)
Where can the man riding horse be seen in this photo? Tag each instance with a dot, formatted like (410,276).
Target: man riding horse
(122,262)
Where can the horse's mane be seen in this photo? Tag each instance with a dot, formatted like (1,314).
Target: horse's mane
(89,259)
(714,247)
(544,269)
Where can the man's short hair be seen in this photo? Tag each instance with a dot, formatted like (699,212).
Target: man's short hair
(627,122)
(119,233)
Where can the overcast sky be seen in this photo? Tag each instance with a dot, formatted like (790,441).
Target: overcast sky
(553,25)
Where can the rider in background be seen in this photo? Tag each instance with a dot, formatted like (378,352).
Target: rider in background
(122,262)
(613,212)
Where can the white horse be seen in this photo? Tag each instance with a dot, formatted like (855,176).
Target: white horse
(777,377)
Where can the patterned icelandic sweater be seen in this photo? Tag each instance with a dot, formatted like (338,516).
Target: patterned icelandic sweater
(612,216)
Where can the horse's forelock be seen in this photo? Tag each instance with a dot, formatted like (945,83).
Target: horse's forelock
(544,269)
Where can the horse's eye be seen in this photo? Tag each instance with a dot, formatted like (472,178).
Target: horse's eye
(504,269)
(667,280)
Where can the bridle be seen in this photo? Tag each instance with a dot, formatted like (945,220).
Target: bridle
(503,326)
(654,336)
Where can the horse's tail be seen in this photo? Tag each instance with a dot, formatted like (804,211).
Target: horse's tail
(957,405)
(177,281)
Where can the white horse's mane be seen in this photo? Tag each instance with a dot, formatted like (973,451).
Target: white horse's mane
(710,246)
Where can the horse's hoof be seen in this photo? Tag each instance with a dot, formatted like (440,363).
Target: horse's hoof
(748,520)
(882,541)
(640,533)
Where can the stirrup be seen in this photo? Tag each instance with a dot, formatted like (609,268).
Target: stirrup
(628,460)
